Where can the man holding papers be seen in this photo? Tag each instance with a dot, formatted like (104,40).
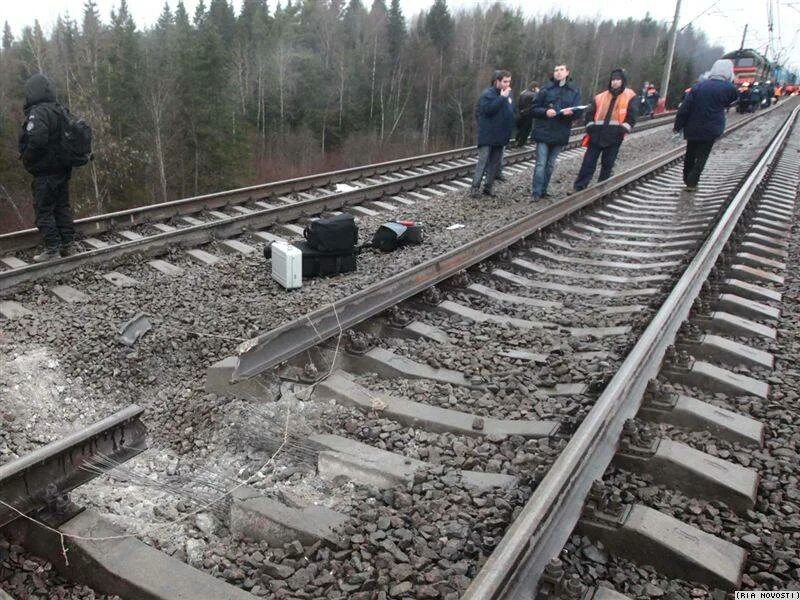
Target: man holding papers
(554,109)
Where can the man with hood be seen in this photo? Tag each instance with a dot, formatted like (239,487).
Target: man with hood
(701,118)
(610,116)
(39,149)
(495,115)
(554,109)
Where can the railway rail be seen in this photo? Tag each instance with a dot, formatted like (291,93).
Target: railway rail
(606,273)
(151,230)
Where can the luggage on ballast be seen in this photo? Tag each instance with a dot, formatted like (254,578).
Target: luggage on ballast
(334,233)
(394,234)
(325,264)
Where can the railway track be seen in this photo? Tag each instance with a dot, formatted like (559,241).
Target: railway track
(481,389)
(265,212)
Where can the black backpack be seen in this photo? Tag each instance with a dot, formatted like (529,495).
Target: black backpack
(390,236)
(75,141)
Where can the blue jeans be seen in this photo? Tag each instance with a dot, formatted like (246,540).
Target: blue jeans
(545,163)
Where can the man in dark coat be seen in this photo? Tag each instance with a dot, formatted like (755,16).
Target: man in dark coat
(495,114)
(39,149)
(702,118)
(610,116)
(525,120)
(554,109)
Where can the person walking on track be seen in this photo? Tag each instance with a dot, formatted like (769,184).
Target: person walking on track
(701,118)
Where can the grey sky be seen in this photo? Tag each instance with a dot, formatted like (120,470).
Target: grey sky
(722,20)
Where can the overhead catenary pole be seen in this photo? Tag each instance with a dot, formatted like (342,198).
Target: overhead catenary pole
(673,35)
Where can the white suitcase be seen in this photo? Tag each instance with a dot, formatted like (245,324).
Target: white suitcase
(287,265)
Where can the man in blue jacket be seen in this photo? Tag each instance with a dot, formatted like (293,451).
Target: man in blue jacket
(553,112)
(701,117)
(495,114)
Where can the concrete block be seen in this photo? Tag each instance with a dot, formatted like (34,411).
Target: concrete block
(698,474)
(747,308)
(418,196)
(202,257)
(236,247)
(494,294)
(685,411)
(130,236)
(759,262)
(362,211)
(753,274)
(124,567)
(732,352)
(711,377)
(776,224)
(219,215)
(341,387)
(261,387)
(289,230)
(95,244)
(164,228)
(12,262)
(402,201)
(378,205)
(726,323)
(575,260)
(165,267)
(423,330)
(263,519)
(69,294)
(191,221)
(13,310)
(242,210)
(766,240)
(541,269)
(120,279)
(673,547)
(466,312)
(268,237)
(349,460)
(388,364)
(765,251)
(751,290)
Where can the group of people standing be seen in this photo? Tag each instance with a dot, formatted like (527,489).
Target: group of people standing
(755,95)
(609,117)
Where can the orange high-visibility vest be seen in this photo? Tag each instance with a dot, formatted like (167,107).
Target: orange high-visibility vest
(603,100)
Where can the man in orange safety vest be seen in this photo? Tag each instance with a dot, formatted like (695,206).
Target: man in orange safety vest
(609,118)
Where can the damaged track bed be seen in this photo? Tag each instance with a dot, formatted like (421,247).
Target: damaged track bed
(483,381)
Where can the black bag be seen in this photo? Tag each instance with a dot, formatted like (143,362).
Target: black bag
(337,233)
(321,264)
(75,143)
(390,236)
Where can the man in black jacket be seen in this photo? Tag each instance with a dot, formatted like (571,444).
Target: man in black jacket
(39,149)
(553,111)
(525,120)
(495,115)
(610,116)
